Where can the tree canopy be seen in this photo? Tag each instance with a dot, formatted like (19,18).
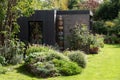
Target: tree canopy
(108,10)
(10,10)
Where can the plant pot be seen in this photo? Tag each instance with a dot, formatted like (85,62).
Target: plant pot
(60,27)
(61,43)
(60,23)
(94,50)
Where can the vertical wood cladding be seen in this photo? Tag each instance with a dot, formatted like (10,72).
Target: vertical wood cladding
(48,18)
(72,18)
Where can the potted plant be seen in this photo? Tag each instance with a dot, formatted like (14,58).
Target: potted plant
(94,49)
(97,43)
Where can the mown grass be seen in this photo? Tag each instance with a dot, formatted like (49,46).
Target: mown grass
(103,66)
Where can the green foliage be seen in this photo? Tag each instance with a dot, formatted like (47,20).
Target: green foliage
(12,51)
(108,10)
(67,68)
(40,5)
(103,27)
(99,27)
(2,70)
(2,10)
(97,41)
(81,39)
(43,69)
(56,55)
(112,39)
(37,64)
(78,57)
(38,48)
(12,48)
(43,63)
(44,56)
(96,65)
(73,4)
(116,29)
(111,29)
(2,60)
(24,8)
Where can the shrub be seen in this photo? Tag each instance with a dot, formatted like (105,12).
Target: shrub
(97,41)
(38,64)
(79,39)
(42,69)
(56,55)
(67,68)
(99,27)
(44,56)
(77,56)
(12,50)
(2,60)
(82,39)
(35,57)
(38,48)
(42,64)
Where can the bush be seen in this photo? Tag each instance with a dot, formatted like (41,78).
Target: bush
(81,39)
(45,56)
(99,27)
(96,44)
(12,50)
(2,60)
(43,64)
(56,55)
(106,10)
(38,64)
(78,57)
(38,48)
(42,69)
(67,68)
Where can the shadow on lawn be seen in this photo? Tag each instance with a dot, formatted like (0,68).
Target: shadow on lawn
(117,46)
(22,70)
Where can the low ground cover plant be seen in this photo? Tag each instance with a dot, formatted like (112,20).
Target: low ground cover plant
(2,69)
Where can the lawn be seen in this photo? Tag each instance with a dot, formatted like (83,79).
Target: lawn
(103,66)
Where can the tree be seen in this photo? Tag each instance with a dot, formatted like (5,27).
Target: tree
(72,4)
(57,4)
(10,10)
(2,12)
(63,4)
(108,10)
(10,46)
(89,5)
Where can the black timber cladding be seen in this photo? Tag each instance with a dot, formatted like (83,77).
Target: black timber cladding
(47,17)
(70,19)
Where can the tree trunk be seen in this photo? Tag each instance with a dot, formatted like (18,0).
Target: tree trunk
(9,15)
